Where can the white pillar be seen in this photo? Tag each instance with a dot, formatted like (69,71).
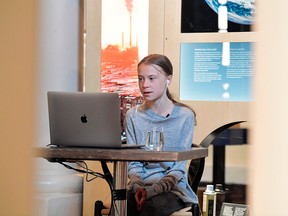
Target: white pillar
(269,145)
(59,189)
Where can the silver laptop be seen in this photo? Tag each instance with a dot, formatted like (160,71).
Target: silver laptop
(85,119)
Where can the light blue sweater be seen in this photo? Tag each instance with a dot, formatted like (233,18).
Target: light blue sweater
(164,176)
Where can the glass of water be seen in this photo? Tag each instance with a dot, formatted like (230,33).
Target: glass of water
(155,139)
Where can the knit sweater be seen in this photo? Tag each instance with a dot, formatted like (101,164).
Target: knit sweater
(159,177)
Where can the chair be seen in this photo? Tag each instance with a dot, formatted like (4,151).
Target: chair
(183,212)
(195,172)
(196,168)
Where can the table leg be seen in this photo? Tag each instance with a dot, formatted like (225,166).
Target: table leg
(119,187)
(219,165)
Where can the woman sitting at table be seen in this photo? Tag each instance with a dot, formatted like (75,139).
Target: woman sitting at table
(158,188)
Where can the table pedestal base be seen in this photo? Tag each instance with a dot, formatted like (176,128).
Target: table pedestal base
(119,188)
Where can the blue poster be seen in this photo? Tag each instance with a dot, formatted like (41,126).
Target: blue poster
(204,78)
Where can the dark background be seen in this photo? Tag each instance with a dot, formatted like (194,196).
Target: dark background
(197,16)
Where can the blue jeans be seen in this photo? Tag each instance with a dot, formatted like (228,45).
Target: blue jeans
(162,204)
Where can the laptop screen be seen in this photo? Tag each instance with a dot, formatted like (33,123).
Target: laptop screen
(84,119)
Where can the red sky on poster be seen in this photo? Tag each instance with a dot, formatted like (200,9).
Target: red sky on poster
(120,50)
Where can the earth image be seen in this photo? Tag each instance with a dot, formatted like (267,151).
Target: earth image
(239,11)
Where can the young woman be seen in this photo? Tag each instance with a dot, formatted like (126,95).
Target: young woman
(158,188)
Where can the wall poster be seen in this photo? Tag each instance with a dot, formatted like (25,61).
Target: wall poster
(202,15)
(124,40)
(204,78)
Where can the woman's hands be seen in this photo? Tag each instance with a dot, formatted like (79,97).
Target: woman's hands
(140,197)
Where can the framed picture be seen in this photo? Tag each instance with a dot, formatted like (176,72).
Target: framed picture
(204,78)
(202,15)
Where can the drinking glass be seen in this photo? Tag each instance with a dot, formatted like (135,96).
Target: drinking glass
(155,139)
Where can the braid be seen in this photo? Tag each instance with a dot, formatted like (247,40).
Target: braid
(169,95)
(163,62)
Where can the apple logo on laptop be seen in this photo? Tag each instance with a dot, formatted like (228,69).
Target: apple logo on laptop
(84,118)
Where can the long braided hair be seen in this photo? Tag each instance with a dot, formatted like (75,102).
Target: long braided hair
(163,62)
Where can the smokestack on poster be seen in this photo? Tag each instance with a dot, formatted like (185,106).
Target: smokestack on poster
(130,30)
(129,6)
(123,41)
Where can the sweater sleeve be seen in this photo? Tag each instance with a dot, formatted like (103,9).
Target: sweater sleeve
(169,181)
(135,171)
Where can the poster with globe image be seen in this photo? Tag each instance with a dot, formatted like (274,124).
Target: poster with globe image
(202,15)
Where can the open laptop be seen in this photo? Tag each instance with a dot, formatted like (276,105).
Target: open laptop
(85,119)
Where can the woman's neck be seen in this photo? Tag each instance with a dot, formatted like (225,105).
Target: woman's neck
(163,107)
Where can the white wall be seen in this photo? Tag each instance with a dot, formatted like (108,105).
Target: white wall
(59,190)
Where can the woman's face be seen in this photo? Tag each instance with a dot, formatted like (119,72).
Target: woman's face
(152,81)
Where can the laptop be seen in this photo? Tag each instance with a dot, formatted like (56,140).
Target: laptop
(85,119)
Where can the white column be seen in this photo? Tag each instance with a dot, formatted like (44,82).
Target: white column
(59,189)
(269,145)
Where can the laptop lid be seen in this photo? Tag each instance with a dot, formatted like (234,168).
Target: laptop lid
(84,119)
